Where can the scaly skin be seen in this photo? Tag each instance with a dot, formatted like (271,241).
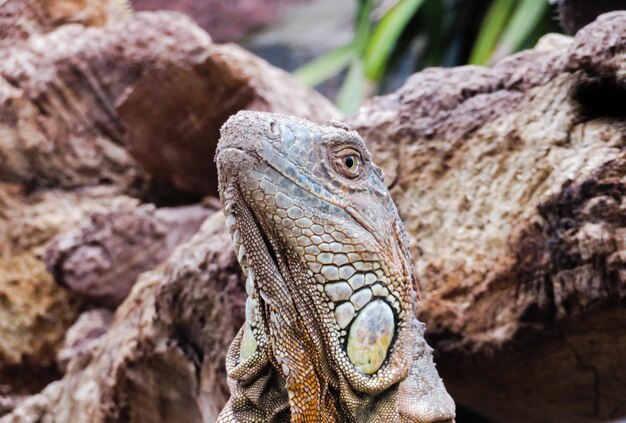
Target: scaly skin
(330,332)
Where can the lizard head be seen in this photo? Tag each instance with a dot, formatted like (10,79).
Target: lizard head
(315,228)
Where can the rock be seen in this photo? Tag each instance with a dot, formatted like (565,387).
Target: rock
(225,20)
(511,182)
(35,312)
(29,220)
(21,19)
(83,334)
(34,315)
(101,260)
(113,76)
(53,145)
(553,42)
(575,14)
(163,356)
(176,142)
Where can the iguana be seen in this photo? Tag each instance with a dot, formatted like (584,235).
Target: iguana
(330,332)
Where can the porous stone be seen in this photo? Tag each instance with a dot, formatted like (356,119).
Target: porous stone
(34,312)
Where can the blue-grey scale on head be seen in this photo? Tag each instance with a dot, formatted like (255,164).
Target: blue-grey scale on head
(330,309)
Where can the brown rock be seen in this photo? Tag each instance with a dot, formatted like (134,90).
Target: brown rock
(162,359)
(35,311)
(225,20)
(176,141)
(512,182)
(101,260)
(60,92)
(34,314)
(575,14)
(21,19)
(84,334)
(29,220)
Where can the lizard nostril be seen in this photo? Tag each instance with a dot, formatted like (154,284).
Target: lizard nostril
(273,131)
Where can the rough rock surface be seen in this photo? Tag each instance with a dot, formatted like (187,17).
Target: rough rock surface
(162,359)
(84,334)
(35,311)
(77,103)
(29,220)
(176,142)
(512,183)
(101,260)
(34,314)
(20,19)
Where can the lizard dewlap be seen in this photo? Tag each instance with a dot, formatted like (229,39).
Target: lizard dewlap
(370,337)
(330,333)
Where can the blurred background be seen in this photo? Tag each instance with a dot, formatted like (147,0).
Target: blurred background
(352,49)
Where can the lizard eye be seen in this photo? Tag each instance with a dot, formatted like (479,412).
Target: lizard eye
(348,163)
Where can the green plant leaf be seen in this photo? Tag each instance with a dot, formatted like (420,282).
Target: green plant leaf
(490,30)
(386,35)
(354,88)
(526,17)
(327,65)
(363,24)
(336,60)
